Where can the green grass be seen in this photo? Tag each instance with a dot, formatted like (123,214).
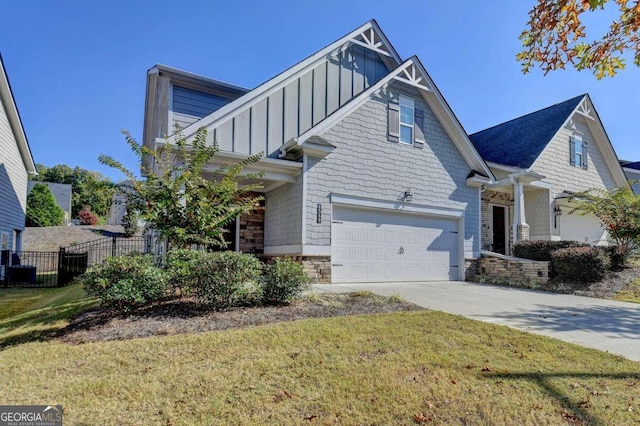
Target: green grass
(28,314)
(630,294)
(401,368)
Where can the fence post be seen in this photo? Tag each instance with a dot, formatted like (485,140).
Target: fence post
(4,264)
(60,282)
(114,243)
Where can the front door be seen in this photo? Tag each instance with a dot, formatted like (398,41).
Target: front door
(499,229)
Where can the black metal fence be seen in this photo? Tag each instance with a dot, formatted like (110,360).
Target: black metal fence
(55,269)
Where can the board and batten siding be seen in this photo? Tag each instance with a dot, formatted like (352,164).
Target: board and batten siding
(13,180)
(300,104)
(188,105)
(366,164)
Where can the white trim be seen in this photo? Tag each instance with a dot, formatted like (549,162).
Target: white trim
(397,206)
(298,250)
(305,166)
(271,86)
(6,97)
(432,97)
(504,167)
(170,123)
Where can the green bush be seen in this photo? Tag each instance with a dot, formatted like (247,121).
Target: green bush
(542,250)
(181,268)
(126,282)
(617,255)
(226,278)
(42,209)
(579,264)
(282,281)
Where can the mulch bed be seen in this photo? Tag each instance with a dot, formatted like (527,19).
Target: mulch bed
(188,316)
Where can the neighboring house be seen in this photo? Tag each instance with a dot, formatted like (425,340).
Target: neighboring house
(16,164)
(62,192)
(632,171)
(368,175)
(538,160)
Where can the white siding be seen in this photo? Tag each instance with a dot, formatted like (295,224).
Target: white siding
(13,180)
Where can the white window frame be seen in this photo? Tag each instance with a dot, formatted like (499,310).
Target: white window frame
(406,102)
(579,153)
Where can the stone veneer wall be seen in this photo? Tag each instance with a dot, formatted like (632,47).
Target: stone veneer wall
(514,268)
(499,198)
(251,236)
(318,268)
(470,268)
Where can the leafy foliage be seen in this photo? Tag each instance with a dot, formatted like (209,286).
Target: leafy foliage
(42,209)
(542,250)
(126,282)
(181,267)
(181,197)
(555,36)
(579,264)
(619,213)
(222,278)
(87,217)
(130,222)
(89,188)
(282,281)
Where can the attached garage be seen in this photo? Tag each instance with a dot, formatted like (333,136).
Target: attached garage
(371,245)
(586,229)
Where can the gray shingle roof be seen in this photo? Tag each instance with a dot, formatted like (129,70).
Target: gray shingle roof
(520,141)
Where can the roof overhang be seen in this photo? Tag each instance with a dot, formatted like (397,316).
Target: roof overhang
(6,96)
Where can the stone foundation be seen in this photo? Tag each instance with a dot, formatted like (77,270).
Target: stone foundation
(470,268)
(318,268)
(251,230)
(514,268)
(523,232)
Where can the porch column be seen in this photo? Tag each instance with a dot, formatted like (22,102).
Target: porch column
(520,227)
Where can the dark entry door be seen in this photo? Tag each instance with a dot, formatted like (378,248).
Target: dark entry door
(499,231)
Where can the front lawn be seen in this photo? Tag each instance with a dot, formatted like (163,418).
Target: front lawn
(399,368)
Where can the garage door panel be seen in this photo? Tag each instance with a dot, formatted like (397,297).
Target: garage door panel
(379,246)
(581,228)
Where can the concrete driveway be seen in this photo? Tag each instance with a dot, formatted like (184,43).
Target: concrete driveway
(596,323)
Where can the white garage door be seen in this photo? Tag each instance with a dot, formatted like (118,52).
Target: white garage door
(585,229)
(376,246)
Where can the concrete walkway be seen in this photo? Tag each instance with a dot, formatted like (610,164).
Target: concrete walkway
(596,323)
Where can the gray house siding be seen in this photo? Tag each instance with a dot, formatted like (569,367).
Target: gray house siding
(188,105)
(366,164)
(300,103)
(13,180)
(634,175)
(283,215)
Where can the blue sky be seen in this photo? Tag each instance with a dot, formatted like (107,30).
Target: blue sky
(78,68)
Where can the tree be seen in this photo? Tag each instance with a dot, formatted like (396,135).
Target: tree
(130,222)
(178,200)
(87,217)
(619,213)
(42,209)
(555,36)
(89,188)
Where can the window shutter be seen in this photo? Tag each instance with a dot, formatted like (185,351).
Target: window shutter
(418,125)
(585,158)
(394,121)
(572,151)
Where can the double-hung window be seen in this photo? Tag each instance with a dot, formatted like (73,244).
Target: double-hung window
(407,108)
(578,152)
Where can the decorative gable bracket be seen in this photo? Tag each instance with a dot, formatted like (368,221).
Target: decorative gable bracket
(412,76)
(584,110)
(368,39)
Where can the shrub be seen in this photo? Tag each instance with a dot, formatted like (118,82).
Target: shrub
(126,282)
(226,278)
(87,217)
(617,256)
(579,264)
(282,281)
(42,209)
(542,250)
(130,223)
(181,268)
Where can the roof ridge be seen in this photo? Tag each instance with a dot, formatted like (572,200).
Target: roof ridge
(530,113)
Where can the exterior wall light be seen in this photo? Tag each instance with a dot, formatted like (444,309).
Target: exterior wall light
(407,196)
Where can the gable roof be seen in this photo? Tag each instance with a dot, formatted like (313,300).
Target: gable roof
(520,141)
(365,35)
(635,165)
(9,102)
(413,73)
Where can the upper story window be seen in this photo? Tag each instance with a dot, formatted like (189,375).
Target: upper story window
(407,107)
(578,152)
(406,122)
